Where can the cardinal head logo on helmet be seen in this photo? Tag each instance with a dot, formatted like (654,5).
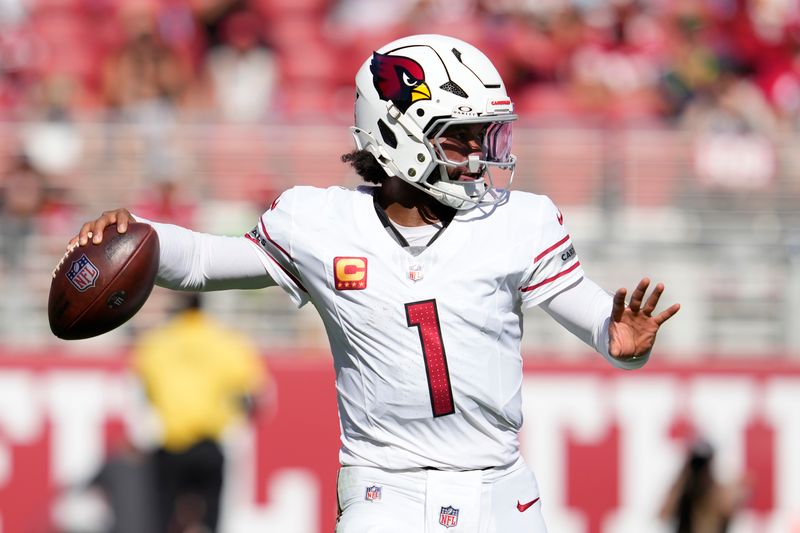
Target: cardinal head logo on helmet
(399,79)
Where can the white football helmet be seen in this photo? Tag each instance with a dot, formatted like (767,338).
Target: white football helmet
(410,92)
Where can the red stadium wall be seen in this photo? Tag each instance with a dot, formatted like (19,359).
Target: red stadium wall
(605,444)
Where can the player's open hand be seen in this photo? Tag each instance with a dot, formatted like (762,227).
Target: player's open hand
(633,328)
(94,228)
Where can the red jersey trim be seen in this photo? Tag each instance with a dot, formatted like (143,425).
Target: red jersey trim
(291,276)
(270,239)
(556,245)
(550,280)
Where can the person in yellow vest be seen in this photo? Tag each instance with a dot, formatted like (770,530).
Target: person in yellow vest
(199,377)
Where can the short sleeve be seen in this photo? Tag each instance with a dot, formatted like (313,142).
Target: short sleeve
(554,263)
(273,234)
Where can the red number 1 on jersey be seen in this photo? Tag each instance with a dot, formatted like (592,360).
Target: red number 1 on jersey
(425,316)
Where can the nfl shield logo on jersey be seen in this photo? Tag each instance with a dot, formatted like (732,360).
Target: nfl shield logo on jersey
(415,272)
(373,493)
(448,516)
(82,273)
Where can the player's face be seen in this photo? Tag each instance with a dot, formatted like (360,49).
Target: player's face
(479,141)
(460,141)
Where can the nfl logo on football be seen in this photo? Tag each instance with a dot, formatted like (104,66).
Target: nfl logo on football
(448,516)
(82,273)
(373,493)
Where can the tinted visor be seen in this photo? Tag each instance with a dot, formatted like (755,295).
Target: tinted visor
(459,139)
(496,143)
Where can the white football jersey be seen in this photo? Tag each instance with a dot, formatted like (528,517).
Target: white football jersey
(426,348)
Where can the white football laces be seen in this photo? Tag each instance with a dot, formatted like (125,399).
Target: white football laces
(70,247)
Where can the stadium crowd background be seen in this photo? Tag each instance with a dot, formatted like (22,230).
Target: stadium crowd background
(666,132)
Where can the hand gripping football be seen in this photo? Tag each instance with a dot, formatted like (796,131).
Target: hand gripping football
(98,287)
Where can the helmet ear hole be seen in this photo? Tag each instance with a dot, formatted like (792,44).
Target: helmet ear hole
(388,135)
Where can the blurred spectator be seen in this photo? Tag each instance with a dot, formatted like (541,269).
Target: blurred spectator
(211,15)
(51,137)
(180,31)
(127,483)
(167,201)
(145,83)
(12,12)
(355,17)
(22,197)
(243,69)
(144,78)
(616,70)
(692,62)
(697,502)
(534,53)
(200,377)
(732,126)
(20,56)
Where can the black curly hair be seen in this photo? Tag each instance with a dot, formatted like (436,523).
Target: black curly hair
(371,171)
(365,165)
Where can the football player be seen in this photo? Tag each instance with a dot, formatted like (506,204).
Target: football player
(421,278)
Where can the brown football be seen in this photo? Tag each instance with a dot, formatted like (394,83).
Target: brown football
(98,287)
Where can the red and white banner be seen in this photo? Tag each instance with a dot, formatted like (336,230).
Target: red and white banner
(605,444)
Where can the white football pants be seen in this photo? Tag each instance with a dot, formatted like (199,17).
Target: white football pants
(497,500)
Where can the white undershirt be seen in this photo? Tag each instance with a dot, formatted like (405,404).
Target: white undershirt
(417,235)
